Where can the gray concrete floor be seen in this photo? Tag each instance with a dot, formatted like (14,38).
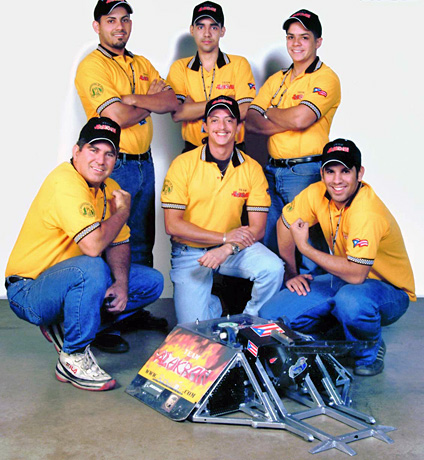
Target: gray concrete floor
(41,418)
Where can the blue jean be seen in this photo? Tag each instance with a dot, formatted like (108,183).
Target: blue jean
(193,282)
(361,310)
(73,291)
(138,179)
(284,185)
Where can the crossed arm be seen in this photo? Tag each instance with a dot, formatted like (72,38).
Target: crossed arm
(134,108)
(296,118)
(297,236)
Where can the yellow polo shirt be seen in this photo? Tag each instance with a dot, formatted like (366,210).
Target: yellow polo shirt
(194,185)
(103,77)
(232,76)
(63,212)
(368,233)
(319,89)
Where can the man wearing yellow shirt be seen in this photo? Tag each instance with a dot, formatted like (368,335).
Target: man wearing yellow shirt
(113,82)
(70,266)
(208,74)
(295,108)
(369,282)
(203,196)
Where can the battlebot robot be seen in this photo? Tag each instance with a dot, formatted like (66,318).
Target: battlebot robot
(243,369)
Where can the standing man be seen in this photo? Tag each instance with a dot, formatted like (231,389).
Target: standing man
(209,74)
(369,282)
(203,196)
(72,253)
(113,82)
(295,109)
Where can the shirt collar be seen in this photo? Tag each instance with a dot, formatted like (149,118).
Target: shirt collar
(316,65)
(194,63)
(237,159)
(109,54)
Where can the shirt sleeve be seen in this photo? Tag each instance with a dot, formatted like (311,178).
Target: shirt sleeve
(174,193)
(95,86)
(259,199)
(300,208)
(324,93)
(245,82)
(176,78)
(263,99)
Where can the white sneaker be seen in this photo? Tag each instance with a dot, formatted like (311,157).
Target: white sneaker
(82,371)
(54,334)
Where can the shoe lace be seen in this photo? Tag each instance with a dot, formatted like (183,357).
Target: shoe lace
(90,364)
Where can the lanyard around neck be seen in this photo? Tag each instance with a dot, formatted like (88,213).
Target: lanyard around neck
(279,89)
(132,84)
(208,97)
(334,237)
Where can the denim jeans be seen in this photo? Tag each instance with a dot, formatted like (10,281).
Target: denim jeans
(138,179)
(73,291)
(193,282)
(361,310)
(284,185)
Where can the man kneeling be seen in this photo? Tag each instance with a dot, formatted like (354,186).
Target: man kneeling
(203,196)
(72,253)
(369,281)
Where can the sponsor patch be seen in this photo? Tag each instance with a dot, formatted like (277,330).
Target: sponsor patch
(225,86)
(240,194)
(87,210)
(96,90)
(359,243)
(167,187)
(144,78)
(297,97)
(320,91)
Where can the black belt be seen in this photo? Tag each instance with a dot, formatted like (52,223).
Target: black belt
(137,157)
(13,279)
(288,163)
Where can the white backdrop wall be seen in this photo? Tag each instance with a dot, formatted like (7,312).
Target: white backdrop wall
(375,46)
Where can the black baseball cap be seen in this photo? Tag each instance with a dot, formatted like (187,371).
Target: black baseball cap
(309,21)
(208,10)
(227,103)
(104,7)
(101,129)
(342,151)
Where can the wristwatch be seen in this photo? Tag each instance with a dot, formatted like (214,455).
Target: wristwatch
(235,248)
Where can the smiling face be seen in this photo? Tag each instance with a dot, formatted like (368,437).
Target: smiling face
(301,44)
(207,33)
(114,29)
(222,128)
(95,162)
(341,182)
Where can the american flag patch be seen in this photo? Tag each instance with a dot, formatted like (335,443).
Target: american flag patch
(264,330)
(252,348)
(360,243)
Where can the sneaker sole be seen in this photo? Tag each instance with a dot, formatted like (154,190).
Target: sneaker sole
(54,335)
(84,385)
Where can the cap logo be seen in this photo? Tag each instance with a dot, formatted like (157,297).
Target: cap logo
(338,148)
(210,8)
(300,14)
(105,128)
(225,101)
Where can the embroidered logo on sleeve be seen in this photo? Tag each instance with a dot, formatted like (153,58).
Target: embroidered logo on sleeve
(96,90)
(320,91)
(87,210)
(252,86)
(167,187)
(359,243)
